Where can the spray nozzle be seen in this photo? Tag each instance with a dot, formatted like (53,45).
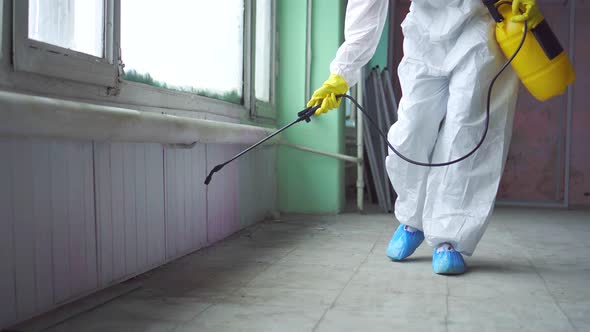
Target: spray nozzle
(214,170)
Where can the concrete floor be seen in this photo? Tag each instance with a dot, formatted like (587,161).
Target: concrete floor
(531,272)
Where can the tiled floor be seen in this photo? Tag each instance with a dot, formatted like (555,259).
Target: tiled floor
(531,272)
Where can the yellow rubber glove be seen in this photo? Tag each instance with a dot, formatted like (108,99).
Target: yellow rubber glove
(532,14)
(326,95)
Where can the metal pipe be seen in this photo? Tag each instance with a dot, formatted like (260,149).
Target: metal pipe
(360,167)
(324,153)
(353,110)
(370,141)
(387,111)
(391,93)
(26,115)
(391,103)
(570,100)
(387,123)
(380,108)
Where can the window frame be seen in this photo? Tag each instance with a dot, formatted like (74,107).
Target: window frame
(114,90)
(2,31)
(258,109)
(51,60)
(261,108)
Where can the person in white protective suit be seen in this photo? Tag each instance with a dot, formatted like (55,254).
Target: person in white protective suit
(450,58)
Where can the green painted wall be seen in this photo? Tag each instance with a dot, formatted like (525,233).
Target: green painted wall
(380,57)
(308,183)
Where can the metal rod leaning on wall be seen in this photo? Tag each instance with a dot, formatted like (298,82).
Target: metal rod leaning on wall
(372,153)
(377,113)
(569,110)
(360,167)
(384,102)
(391,103)
(385,125)
(390,94)
(380,150)
(372,175)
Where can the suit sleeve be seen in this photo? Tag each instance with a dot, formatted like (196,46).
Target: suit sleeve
(363,26)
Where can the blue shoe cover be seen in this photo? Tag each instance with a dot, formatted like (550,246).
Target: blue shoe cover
(403,243)
(445,261)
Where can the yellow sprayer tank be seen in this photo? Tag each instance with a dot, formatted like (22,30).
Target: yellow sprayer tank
(542,65)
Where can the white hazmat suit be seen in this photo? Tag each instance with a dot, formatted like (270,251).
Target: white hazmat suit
(450,57)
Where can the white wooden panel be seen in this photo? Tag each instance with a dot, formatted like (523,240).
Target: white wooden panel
(7,280)
(183,236)
(104,220)
(185,200)
(24,234)
(243,193)
(118,211)
(60,244)
(156,226)
(141,219)
(74,236)
(90,219)
(130,204)
(266,168)
(222,194)
(198,197)
(46,253)
(42,214)
(151,205)
(257,175)
(130,196)
(171,202)
(76,230)
(184,190)
(223,191)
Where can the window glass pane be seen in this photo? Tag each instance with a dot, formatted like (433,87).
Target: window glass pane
(263,49)
(72,24)
(188,45)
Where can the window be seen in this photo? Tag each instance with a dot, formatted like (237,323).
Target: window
(264,55)
(188,45)
(76,25)
(263,50)
(66,38)
(178,54)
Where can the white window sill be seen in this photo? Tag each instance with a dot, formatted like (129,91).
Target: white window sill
(29,115)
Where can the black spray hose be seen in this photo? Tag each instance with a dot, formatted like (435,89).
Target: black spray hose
(487,123)
(304,115)
(307,113)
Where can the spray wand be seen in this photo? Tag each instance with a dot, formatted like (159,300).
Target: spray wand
(307,113)
(304,115)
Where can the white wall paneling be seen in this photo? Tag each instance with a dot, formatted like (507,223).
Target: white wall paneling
(77,216)
(243,192)
(130,208)
(49,254)
(257,185)
(7,281)
(186,213)
(222,192)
